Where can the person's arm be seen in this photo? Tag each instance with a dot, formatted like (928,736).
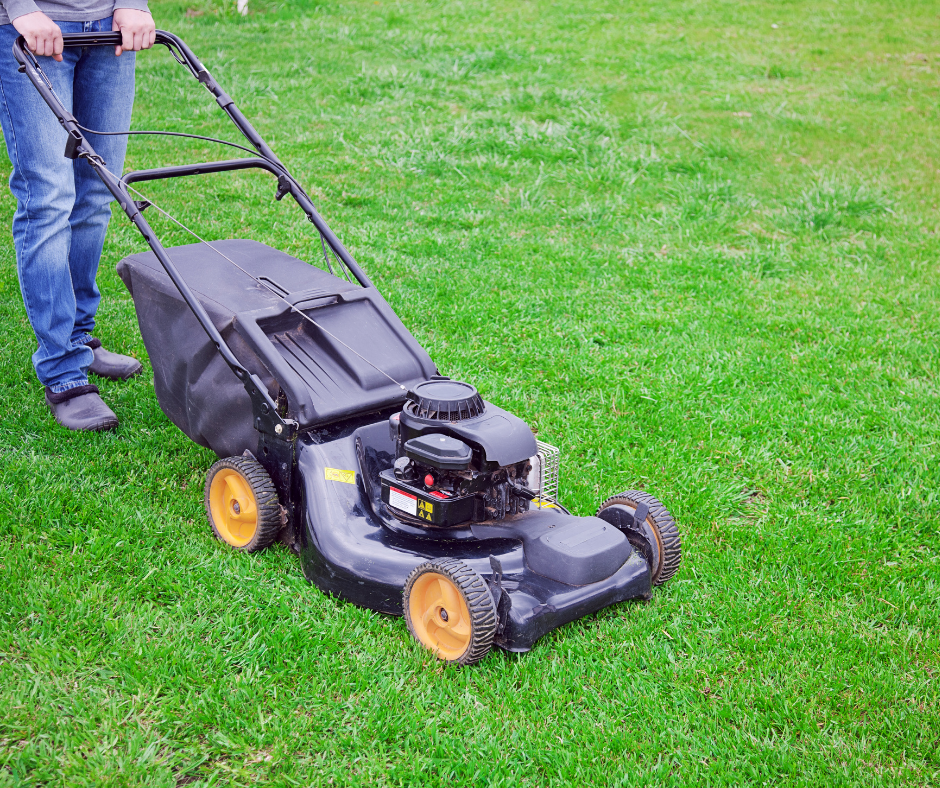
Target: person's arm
(42,35)
(132,18)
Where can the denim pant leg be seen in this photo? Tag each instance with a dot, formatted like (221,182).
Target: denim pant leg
(104,110)
(44,184)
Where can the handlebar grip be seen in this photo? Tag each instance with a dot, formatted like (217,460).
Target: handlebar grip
(91,39)
(180,51)
(112,39)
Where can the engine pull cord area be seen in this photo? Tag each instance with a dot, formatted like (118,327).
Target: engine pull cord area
(264,285)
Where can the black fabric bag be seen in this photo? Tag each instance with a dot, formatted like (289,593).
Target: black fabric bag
(356,359)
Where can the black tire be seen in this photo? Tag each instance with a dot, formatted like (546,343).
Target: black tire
(255,493)
(666,552)
(479,613)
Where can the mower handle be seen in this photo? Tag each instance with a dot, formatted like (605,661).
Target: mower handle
(79,146)
(267,419)
(176,45)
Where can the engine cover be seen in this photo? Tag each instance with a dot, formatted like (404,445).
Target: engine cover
(439,451)
(503,439)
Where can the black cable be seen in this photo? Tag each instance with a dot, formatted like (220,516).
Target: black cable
(220,142)
(342,267)
(325,255)
(167,134)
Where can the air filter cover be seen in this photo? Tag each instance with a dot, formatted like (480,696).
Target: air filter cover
(439,451)
(445,400)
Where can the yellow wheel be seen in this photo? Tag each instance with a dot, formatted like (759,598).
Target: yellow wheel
(450,610)
(242,504)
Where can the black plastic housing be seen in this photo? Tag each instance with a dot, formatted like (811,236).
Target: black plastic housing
(502,438)
(439,451)
(352,546)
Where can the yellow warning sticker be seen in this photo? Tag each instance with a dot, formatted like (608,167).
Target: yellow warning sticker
(336,475)
(425,510)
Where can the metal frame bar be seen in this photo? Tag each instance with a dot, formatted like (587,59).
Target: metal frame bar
(159,173)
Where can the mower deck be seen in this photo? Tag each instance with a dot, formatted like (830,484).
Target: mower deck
(352,547)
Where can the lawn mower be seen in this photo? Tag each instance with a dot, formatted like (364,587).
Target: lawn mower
(402,490)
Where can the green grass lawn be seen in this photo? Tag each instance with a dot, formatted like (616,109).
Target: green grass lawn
(693,242)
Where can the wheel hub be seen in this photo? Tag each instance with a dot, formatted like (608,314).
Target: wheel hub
(440,616)
(233,507)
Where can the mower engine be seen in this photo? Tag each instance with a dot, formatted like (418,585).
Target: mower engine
(459,459)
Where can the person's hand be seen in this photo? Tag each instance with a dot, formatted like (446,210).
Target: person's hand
(137,29)
(42,35)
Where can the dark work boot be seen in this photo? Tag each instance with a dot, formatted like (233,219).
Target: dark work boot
(112,366)
(81,409)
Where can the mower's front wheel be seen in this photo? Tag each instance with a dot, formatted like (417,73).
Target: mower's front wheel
(449,609)
(649,527)
(241,503)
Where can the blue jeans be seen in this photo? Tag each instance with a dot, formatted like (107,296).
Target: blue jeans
(63,208)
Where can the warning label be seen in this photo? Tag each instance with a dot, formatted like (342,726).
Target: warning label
(404,501)
(336,475)
(425,510)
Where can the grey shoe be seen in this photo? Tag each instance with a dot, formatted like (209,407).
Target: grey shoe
(81,409)
(112,366)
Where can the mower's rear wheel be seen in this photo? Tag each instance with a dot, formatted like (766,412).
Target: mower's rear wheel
(663,545)
(241,503)
(450,610)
